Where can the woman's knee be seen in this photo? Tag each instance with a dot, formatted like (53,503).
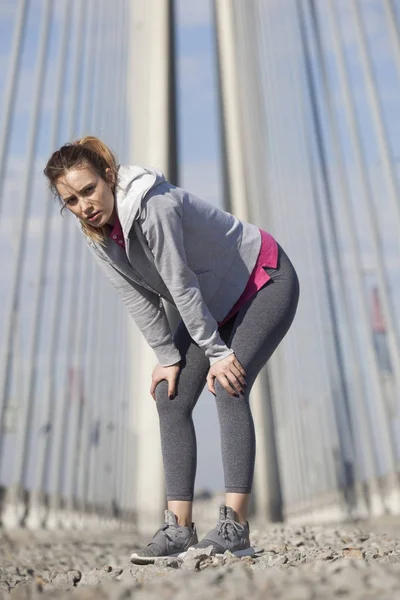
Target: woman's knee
(180,405)
(223,396)
(163,403)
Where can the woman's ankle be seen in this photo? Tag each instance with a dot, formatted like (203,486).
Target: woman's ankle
(183,511)
(239,503)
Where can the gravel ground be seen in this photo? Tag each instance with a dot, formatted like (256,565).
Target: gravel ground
(298,562)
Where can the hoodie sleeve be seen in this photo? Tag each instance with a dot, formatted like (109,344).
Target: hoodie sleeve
(147,311)
(162,227)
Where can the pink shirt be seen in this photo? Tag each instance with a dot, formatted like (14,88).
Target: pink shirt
(268,257)
(117,235)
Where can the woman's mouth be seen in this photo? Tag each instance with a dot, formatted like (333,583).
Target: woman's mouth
(94,216)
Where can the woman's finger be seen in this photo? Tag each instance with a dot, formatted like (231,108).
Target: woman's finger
(210,384)
(238,366)
(224,381)
(238,375)
(234,382)
(172,387)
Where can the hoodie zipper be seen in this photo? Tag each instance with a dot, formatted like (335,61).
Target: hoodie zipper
(147,287)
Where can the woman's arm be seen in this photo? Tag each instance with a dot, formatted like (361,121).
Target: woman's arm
(147,311)
(162,228)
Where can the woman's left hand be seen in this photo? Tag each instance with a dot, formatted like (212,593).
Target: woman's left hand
(229,373)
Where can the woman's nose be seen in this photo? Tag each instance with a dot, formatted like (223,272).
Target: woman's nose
(86,205)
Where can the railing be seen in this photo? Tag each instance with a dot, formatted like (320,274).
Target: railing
(316,89)
(64,395)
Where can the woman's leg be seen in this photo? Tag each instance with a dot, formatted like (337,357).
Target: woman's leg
(178,438)
(254,335)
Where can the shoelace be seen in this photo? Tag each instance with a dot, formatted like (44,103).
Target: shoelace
(163,528)
(223,527)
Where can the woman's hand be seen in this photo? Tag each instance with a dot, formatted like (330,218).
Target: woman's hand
(170,374)
(229,373)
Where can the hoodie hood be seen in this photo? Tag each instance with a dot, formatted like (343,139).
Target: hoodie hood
(133,183)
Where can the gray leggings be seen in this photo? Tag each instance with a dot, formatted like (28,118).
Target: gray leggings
(253,333)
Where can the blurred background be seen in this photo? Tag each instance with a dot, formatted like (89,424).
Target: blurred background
(283,112)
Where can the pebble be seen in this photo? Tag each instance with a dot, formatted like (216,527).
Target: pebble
(298,563)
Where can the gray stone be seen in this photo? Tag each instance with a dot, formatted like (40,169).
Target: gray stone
(371,554)
(293,556)
(128,575)
(327,555)
(4,587)
(93,577)
(319,562)
(194,564)
(229,558)
(74,577)
(199,553)
(62,581)
(172,562)
(280,561)
(198,558)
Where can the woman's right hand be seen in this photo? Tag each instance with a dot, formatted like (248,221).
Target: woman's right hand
(169,373)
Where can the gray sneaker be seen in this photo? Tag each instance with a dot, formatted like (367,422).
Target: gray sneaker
(170,540)
(228,534)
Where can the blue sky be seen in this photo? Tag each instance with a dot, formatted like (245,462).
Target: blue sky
(199,150)
(199,143)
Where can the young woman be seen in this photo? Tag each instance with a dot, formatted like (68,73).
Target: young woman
(237,293)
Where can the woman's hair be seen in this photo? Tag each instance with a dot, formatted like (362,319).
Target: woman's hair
(88,151)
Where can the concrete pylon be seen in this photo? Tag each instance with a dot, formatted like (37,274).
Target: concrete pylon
(266,497)
(152,143)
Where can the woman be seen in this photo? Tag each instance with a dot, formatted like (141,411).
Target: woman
(236,292)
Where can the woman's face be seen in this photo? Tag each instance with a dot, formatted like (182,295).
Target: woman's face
(87,195)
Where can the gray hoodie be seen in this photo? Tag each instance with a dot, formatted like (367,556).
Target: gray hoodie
(180,249)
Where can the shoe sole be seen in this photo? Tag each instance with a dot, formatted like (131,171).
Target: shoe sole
(136,559)
(239,553)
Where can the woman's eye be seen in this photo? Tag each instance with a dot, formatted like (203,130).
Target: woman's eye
(90,189)
(70,201)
